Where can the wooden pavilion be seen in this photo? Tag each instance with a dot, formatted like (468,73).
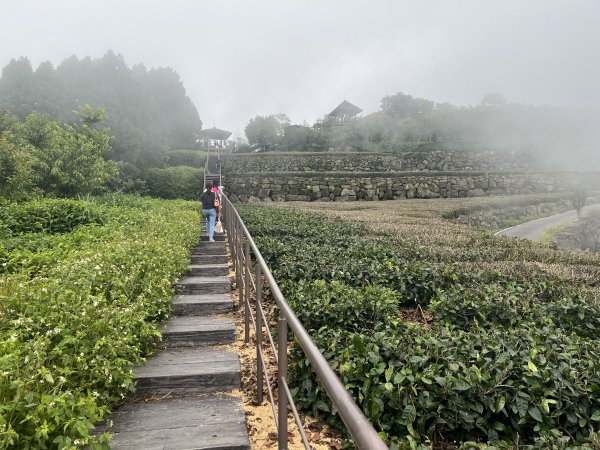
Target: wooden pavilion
(215,139)
(344,112)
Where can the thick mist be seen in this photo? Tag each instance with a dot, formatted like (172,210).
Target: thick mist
(241,59)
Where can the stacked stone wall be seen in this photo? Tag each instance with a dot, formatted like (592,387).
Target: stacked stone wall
(363,187)
(367,176)
(424,161)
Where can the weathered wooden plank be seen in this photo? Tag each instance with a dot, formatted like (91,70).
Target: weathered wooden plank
(188,370)
(209,270)
(209,259)
(216,237)
(197,331)
(200,280)
(196,422)
(210,248)
(204,285)
(206,288)
(201,304)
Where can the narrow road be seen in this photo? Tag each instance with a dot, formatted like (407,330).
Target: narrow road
(534,229)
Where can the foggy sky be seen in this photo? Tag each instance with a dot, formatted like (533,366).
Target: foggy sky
(243,58)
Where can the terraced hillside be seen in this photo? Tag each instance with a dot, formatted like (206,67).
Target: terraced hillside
(445,335)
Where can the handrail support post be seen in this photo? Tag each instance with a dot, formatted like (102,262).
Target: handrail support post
(239,272)
(259,327)
(247,275)
(282,400)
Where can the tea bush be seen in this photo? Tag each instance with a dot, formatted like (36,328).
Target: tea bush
(508,358)
(47,216)
(494,385)
(510,304)
(174,182)
(78,309)
(321,304)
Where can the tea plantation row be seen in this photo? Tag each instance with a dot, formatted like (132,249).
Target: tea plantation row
(82,287)
(506,360)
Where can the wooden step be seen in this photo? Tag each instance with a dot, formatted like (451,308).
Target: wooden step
(201,304)
(209,270)
(217,237)
(209,259)
(204,285)
(211,248)
(188,370)
(197,331)
(207,422)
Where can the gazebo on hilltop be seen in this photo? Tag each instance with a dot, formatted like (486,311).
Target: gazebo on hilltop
(344,112)
(214,138)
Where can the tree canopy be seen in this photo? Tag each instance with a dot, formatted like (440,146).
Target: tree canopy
(147,111)
(54,158)
(266,131)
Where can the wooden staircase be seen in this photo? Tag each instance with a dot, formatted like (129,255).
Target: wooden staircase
(186,386)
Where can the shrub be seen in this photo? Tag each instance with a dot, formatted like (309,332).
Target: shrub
(441,384)
(192,158)
(334,305)
(48,216)
(16,174)
(78,309)
(174,182)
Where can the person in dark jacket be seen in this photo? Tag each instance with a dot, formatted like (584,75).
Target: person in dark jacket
(207,198)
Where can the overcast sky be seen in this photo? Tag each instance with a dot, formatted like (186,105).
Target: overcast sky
(243,58)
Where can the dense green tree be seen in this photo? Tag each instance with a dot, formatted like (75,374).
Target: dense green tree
(55,158)
(147,111)
(403,105)
(303,137)
(15,87)
(266,132)
(71,159)
(16,174)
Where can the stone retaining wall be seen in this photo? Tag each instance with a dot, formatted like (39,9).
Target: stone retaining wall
(423,161)
(349,187)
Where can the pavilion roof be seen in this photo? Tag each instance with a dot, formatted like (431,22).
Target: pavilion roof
(214,133)
(345,109)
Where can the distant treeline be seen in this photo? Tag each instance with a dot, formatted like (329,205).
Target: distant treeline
(554,135)
(147,111)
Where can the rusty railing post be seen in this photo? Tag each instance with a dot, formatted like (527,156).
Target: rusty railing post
(229,229)
(282,400)
(231,236)
(247,276)
(259,326)
(240,266)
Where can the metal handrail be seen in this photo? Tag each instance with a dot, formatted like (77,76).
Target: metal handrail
(205,169)
(242,246)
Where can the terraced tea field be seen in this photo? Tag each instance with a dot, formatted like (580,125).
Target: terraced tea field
(446,336)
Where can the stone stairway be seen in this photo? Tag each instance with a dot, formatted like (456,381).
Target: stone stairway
(185,385)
